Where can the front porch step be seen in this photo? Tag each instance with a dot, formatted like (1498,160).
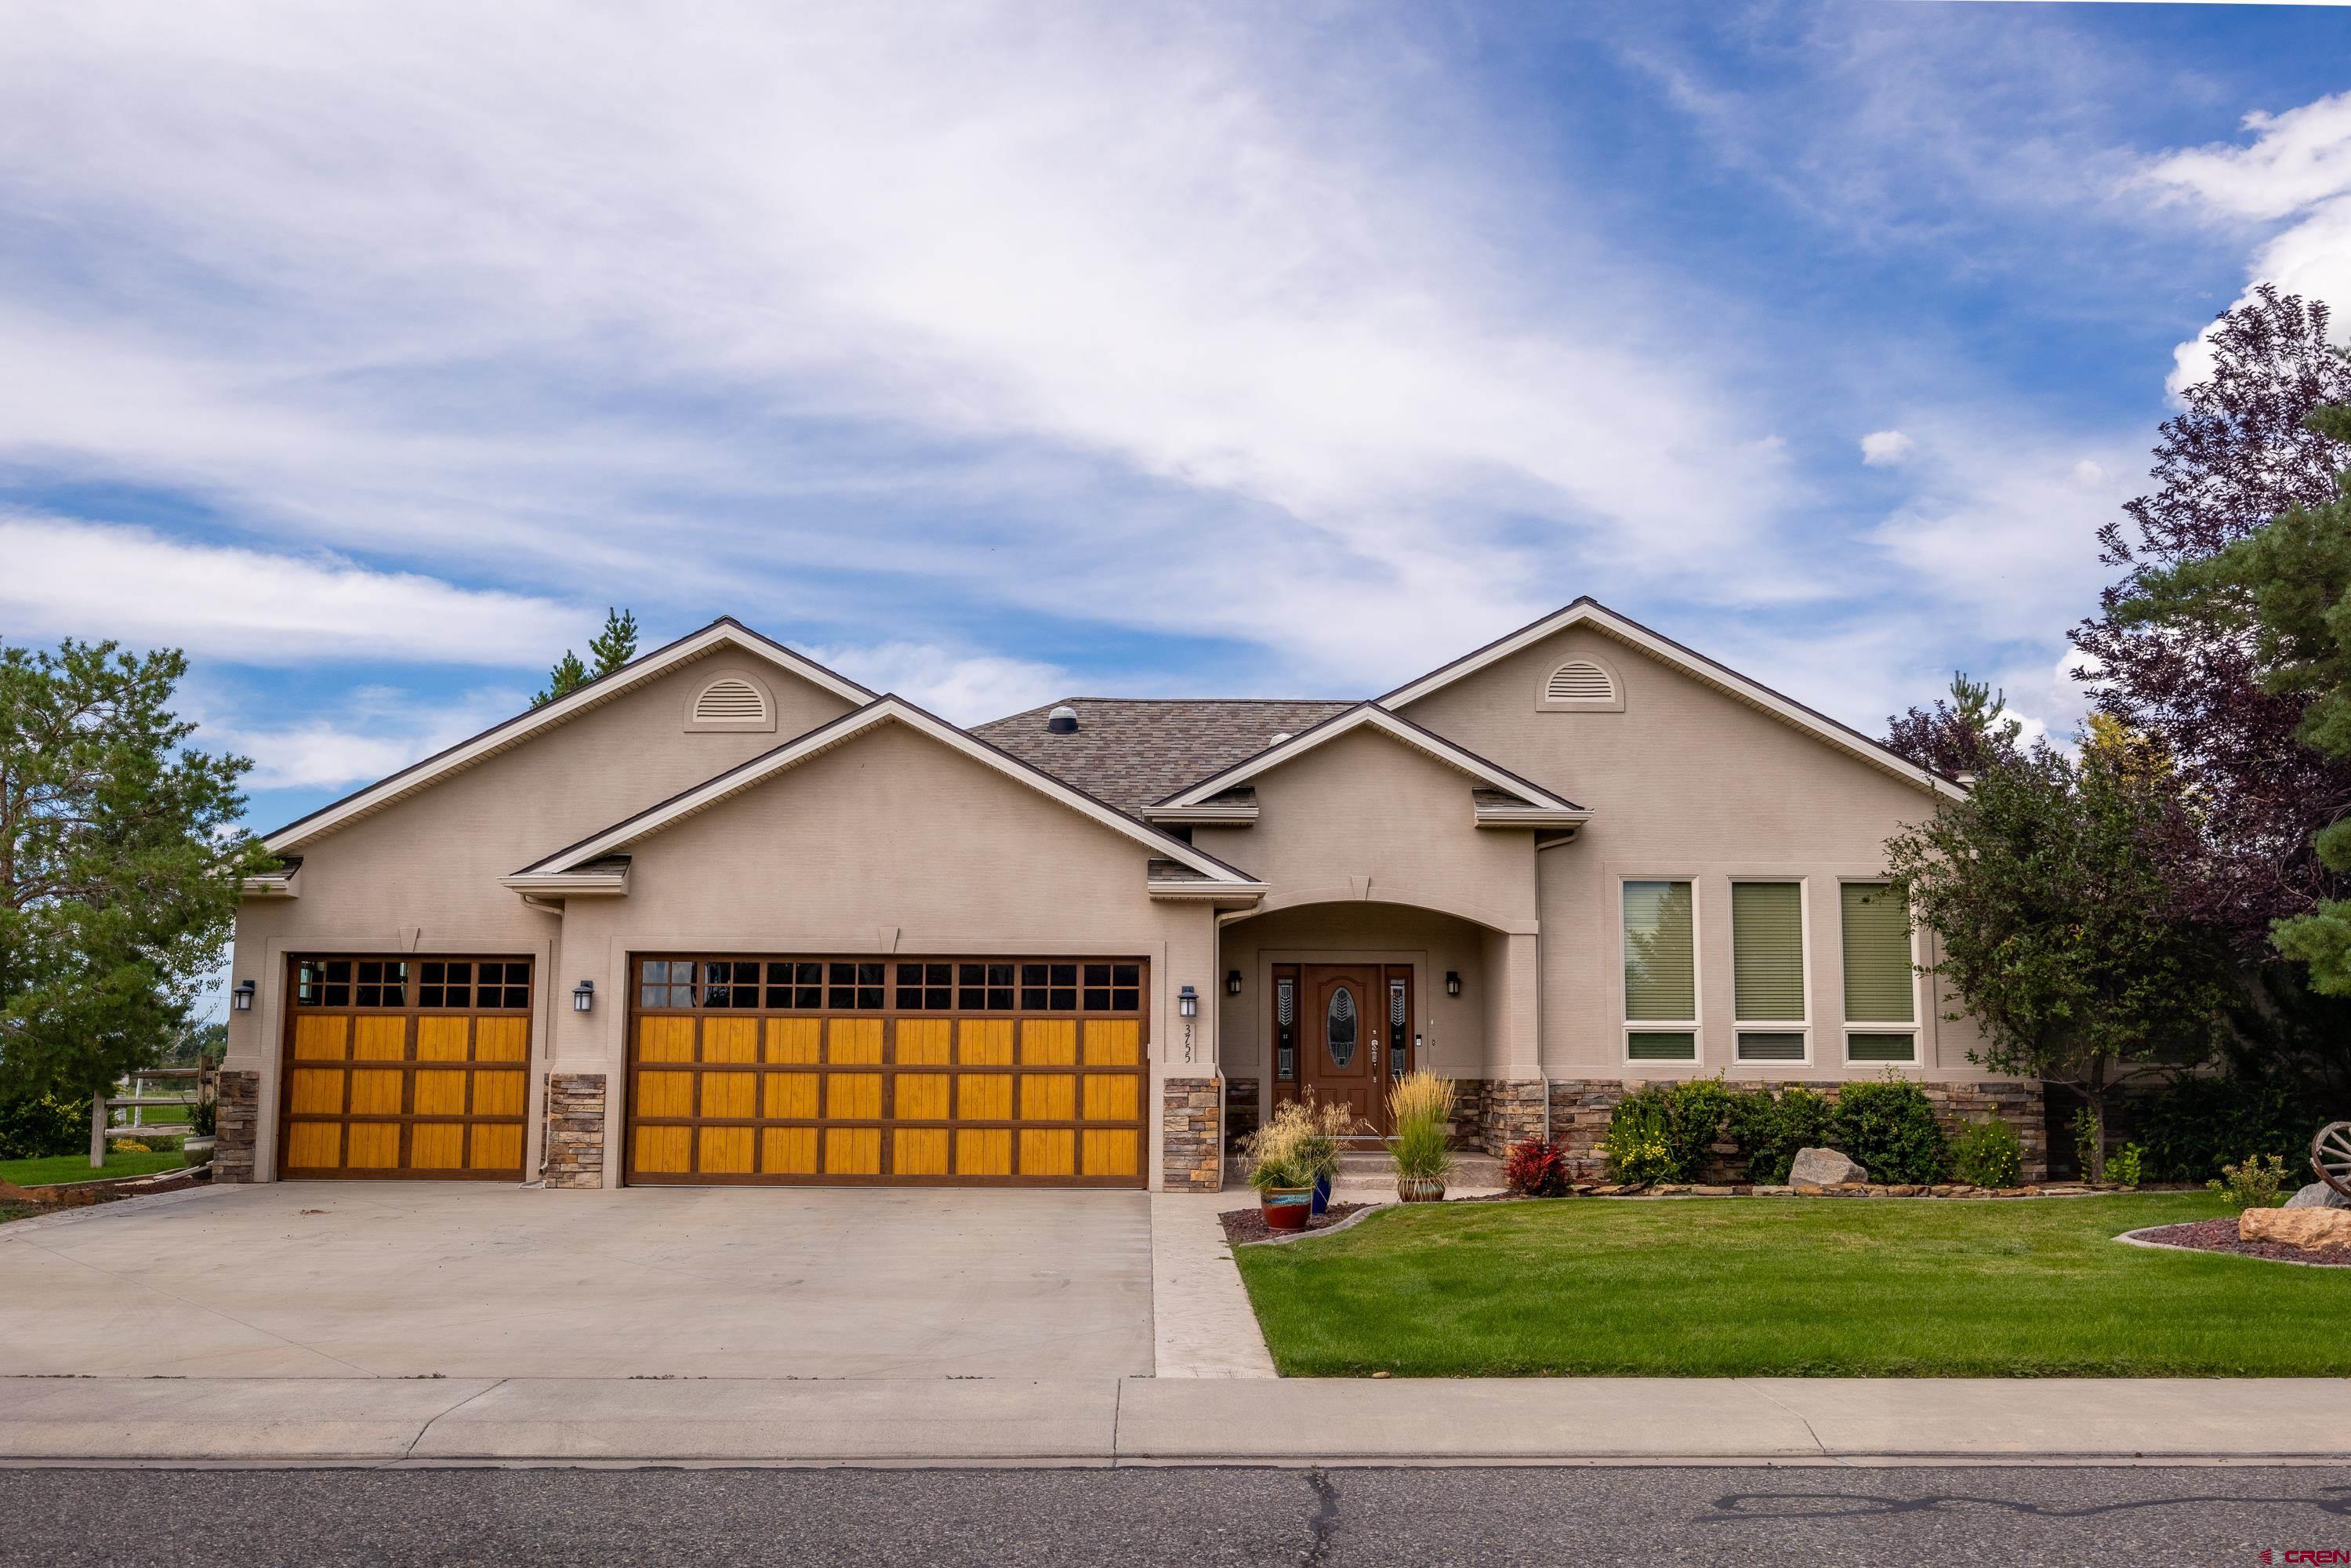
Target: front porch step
(1362,1170)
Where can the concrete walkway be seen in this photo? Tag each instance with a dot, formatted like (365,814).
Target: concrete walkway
(1201,1322)
(1161,1420)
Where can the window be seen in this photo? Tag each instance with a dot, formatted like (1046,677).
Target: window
(1881,986)
(873,985)
(1580,684)
(1660,972)
(1767,965)
(462,985)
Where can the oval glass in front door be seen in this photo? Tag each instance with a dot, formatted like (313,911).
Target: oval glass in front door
(1339,1028)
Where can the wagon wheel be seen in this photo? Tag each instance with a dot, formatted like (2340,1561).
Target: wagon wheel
(2330,1155)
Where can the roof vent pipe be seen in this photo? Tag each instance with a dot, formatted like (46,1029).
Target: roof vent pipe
(1062,720)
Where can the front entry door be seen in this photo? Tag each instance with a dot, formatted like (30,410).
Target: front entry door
(1356,1034)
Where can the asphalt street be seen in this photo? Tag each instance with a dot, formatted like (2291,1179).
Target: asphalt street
(1012,1518)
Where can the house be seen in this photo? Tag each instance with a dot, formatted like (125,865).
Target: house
(727,916)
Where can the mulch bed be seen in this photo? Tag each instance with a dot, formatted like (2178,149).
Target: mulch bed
(1248,1224)
(2220,1235)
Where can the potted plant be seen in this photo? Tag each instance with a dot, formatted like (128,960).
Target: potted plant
(1282,1170)
(1420,1120)
(1319,1142)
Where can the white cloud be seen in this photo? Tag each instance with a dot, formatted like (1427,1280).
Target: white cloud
(2292,181)
(434,284)
(2000,527)
(75,579)
(1885,448)
(376,732)
(961,687)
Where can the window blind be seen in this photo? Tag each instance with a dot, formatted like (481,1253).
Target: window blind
(1644,1046)
(1767,950)
(1660,959)
(1878,980)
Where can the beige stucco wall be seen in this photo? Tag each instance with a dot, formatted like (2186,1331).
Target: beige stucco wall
(421,876)
(894,843)
(1689,783)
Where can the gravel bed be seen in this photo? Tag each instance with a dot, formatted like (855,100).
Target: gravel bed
(1248,1224)
(2220,1235)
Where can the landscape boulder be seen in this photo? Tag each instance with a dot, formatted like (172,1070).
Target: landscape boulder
(1822,1167)
(2296,1226)
(2319,1195)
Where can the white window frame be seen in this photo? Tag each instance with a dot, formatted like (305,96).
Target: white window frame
(1693,1027)
(1777,1025)
(1915,1029)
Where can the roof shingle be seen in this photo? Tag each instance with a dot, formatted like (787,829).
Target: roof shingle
(1128,752)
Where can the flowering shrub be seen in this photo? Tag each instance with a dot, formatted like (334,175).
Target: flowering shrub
(1988,1154)
(1637,1154)
(1536,1169)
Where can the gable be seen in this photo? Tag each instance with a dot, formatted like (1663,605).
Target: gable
(1495,789)
(864,728)
(1535,655)
(800,692)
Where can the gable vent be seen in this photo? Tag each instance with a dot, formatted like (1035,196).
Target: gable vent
(1578,681)
(729,698)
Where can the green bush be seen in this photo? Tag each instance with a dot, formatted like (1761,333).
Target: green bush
(1768,1129)
(1664,1133)
(1988,1154)
(2127,1164)
(202,1116)
(2255,1183)
(35,1126)
(1890,1129)
(2195,1123)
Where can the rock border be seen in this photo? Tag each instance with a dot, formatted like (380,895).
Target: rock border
(2139,1238)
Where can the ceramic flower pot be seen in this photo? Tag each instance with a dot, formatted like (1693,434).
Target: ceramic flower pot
(1285,1207)
(1321,1194)
(1420,1189)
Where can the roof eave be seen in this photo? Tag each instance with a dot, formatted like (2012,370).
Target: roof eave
(1529,817)
(569,884)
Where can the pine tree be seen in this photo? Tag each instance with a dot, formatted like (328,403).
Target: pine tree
(617,644)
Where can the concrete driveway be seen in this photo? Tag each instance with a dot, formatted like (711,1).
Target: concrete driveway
(415,1279)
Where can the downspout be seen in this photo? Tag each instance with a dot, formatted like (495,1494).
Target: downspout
(550,993)
(1543,959)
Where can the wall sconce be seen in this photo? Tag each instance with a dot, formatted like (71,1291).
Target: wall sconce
(583,997)
(1187,1002)
(1452,982)
(241,998)
(1232,982)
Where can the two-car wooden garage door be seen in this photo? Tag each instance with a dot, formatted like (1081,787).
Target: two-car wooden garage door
(941,1072)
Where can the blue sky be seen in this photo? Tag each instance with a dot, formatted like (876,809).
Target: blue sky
(996,353)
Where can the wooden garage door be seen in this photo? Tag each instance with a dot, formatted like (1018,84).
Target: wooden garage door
(938,1071)
(402,1066)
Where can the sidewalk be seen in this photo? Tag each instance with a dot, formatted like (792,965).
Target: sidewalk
(1106,1421)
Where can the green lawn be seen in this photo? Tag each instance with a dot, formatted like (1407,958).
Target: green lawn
(1789,1287)
(55,1168)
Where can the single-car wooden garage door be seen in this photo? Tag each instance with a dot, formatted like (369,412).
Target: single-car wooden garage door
(401,1066)
(939,1072)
